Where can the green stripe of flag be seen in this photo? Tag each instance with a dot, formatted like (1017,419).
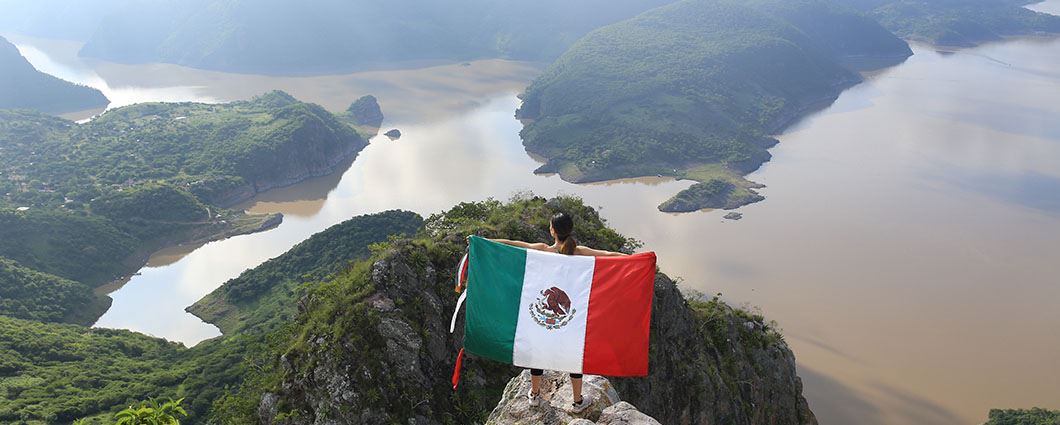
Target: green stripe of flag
(493,295)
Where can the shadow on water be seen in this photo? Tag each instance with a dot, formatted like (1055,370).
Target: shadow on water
(304,199)
(835,403)
(1029,189)
(872,64)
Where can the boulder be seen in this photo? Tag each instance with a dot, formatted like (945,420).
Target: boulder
(556,401)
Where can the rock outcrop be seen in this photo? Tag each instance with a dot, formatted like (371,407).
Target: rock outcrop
(373,346)
(556,398)
(365,111)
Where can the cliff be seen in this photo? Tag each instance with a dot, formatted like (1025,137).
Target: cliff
(371,344)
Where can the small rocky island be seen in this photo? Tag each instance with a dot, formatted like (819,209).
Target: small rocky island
(715,194)
(393,134)
(365,112)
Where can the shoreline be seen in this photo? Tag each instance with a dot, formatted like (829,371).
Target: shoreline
(249,223)
(743,186)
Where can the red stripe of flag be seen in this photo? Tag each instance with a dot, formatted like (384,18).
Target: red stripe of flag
(616,334)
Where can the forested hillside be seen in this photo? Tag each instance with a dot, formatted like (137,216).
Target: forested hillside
(88,202)
(23,86)
(693,90)
(958,22)
(267,296)
(28,294)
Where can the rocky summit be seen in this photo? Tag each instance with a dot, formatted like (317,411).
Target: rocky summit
(372,345)
(556,399)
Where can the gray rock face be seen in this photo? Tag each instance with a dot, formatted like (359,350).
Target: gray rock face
(742,375)
(606,407)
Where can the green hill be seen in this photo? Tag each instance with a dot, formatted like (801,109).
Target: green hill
(694,89)
(28,294)
(266,296)
(88,202)
(23,86)
(958,22)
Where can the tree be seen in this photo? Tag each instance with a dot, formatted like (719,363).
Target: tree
(152,413)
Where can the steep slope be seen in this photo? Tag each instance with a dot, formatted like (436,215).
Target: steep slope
(28,294)
(694,89)
(958,23)
(371,345)
(264,297)
(23,86)
(281,37)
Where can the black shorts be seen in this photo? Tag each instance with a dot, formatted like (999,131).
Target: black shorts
(539,372)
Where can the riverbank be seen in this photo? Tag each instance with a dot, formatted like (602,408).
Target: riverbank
(227,225)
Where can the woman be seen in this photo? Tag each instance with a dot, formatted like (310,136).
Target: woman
(560,227)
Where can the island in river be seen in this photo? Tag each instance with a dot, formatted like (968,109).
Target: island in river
(694,90)
(89,202)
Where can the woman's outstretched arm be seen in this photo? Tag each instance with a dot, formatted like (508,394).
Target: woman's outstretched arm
(521,244)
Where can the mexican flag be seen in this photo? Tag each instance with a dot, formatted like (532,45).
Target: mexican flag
(567,313)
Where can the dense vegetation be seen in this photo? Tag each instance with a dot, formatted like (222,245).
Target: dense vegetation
(276,36)
(365,111)
(693,89)
(55,373)
(958,22)
(23,86)
(87,202)
(1035,416)
(264,297)
(28,294)
(716,193)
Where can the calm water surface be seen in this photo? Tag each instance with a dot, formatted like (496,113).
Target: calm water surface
(908,244)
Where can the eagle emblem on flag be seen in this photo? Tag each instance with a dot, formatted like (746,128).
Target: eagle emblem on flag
(552,310)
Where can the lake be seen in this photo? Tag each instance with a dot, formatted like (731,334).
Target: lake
(908,246)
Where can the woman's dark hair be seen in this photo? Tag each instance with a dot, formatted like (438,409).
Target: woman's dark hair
(563,224)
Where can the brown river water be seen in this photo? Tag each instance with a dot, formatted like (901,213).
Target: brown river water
(909,245)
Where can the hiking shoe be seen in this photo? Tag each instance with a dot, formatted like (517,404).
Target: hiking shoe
(533,399)
(580,407)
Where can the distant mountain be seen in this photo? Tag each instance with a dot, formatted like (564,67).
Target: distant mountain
(958,23)
(23,86)
(59,19)
(284,37)
(694,90)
